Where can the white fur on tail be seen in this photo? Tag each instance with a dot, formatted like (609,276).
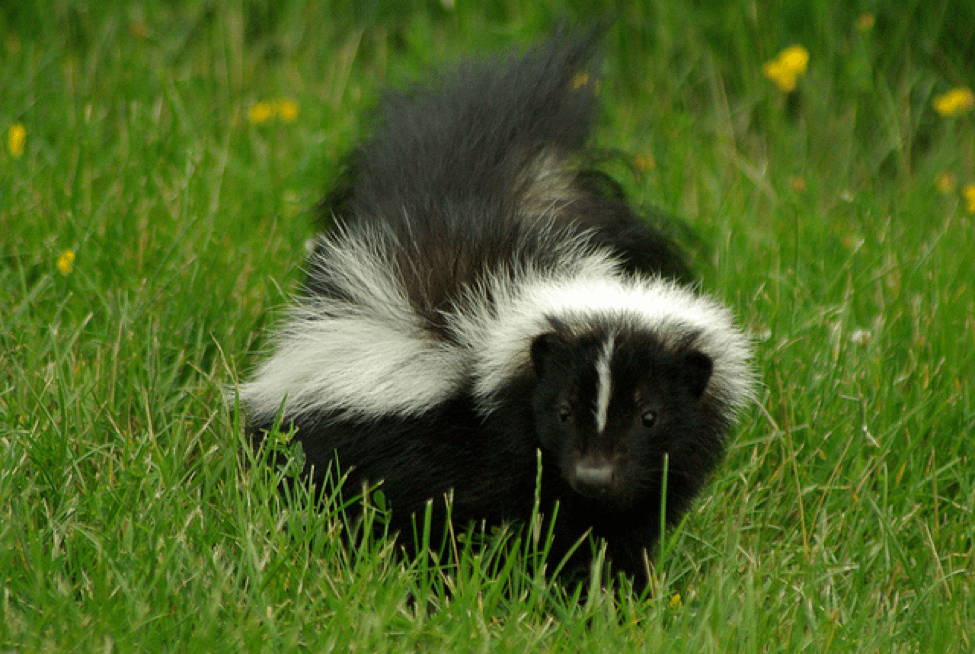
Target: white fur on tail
(367,357)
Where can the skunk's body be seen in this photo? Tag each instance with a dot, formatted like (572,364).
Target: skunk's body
(482,297)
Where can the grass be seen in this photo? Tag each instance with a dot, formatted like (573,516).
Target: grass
(832,218)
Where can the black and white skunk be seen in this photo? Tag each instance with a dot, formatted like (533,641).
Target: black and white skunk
(484,295)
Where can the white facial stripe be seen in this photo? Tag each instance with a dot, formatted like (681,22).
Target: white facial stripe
(604,389)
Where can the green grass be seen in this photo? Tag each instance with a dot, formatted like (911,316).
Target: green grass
(129,518)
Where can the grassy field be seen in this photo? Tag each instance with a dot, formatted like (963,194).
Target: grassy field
(158,167)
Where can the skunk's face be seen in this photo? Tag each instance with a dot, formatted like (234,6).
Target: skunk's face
(611,406)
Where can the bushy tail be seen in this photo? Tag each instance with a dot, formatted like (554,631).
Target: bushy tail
(473,132)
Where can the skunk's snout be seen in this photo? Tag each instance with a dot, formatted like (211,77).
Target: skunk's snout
(592,476)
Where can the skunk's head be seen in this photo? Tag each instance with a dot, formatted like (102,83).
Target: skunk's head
(627,375)
(610,404)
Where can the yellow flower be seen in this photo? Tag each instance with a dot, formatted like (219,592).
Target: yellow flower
(66,262)
(287,110)
(676,602)
(795,58)
(645,162)
(284,109)
(956,101)
(138,29)
(16,140)
(581,79)
(945,182)
(260,112)
(969,193)
(788,67)
(865,22)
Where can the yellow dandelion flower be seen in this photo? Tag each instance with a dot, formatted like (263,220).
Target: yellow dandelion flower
(581,79)
(795,58)
(787,68)
(16,139)
(956,101)
(969,194)
(945,182)
(866,21)
(676,602)
(260,112)
(287,110)
(66,262)
(645,162)
(283,109)
(785,80)
(138,29)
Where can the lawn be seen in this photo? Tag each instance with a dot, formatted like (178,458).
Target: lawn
(159,166)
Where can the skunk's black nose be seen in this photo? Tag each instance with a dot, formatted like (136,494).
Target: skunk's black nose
(592,478)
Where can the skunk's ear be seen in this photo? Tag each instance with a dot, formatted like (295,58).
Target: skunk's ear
(696,369)
(544,350)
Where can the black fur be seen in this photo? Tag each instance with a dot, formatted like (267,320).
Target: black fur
(446,172)
(660,417)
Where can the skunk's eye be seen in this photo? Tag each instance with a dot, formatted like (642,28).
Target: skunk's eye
(564,413)
(648,418)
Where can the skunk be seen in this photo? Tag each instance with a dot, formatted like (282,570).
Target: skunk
(484,295)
